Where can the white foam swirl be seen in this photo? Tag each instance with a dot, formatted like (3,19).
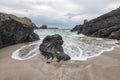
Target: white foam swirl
(77,47)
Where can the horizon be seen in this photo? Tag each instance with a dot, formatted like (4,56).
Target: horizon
(51,13)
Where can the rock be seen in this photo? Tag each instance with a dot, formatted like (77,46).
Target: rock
(15,30)
(0,42)
(51,47)
(23,20)
(115,35)
(76,28)
(105,26)
(43,27)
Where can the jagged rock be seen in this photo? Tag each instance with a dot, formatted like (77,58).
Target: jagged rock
(51,47)
(15,30)
(105,26)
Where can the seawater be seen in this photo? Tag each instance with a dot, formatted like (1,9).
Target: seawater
(78,47)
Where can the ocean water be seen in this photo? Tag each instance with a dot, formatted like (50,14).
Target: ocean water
(78,47)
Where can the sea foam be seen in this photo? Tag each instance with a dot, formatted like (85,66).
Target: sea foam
(78,47)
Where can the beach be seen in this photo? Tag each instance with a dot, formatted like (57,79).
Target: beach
(42,40)
(103,67)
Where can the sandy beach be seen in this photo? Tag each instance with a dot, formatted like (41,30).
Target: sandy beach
(103,67)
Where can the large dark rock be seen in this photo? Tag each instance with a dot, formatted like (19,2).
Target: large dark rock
(51,47)
(105,26)
(15,30)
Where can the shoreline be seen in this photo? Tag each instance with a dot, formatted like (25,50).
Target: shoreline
(35,51)
(101,67)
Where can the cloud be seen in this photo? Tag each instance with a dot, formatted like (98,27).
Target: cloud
(58,12)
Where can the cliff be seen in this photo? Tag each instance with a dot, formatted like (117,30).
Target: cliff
(105,26)
(14,30)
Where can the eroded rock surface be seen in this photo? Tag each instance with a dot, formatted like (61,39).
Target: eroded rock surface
(105,26)
(51,47)
(14,30)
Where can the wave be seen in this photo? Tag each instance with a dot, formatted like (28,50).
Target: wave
(78,47)
(83,47)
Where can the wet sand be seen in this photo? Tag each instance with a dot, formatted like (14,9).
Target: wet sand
(103,67)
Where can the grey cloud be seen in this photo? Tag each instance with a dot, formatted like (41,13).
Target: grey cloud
(58,12)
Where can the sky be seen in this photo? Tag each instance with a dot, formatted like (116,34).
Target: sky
(58,13)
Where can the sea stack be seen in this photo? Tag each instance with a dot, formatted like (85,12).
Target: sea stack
(43,27)
(15,29)
(51,47)
(105,26)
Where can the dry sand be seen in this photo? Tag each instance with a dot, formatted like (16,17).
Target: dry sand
(103,67)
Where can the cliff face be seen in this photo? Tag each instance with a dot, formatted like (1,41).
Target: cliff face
(23,20)
(106,26)
(15,30)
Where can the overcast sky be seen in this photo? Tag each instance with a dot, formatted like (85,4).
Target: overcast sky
(58,12)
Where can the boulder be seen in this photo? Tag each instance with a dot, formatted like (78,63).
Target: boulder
(14,30)
(105,26)
(51,47)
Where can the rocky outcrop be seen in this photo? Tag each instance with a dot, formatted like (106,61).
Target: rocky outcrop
(43,27)
(23,20)
(105,26)
(76,28)
(16,30)
(51,47)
